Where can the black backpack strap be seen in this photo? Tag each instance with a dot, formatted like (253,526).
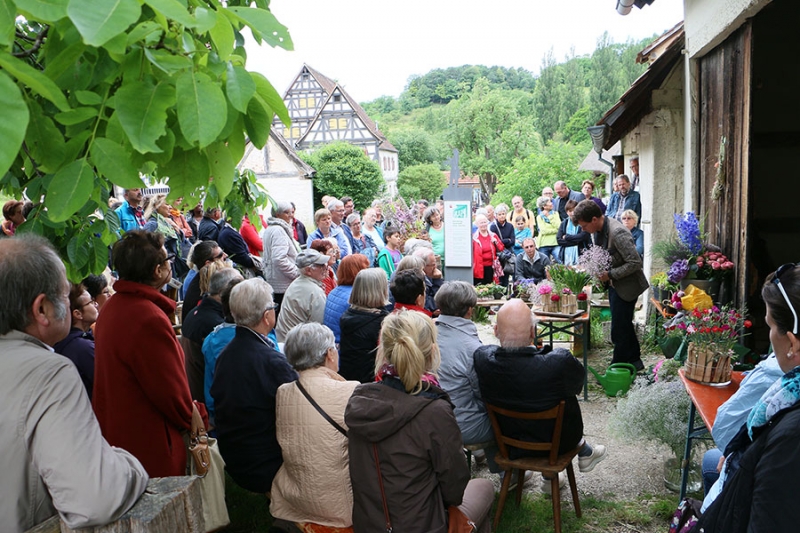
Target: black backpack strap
(319,409)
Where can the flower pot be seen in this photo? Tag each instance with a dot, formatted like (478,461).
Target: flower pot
(583,305)
(673,473)
(711,287)
(704,364)
(569,304)
(551,306)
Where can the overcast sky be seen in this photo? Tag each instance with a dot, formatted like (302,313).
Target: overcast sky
(372,47)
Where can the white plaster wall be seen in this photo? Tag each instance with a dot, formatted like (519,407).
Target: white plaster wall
(709,22)
(390,174)
(292,189)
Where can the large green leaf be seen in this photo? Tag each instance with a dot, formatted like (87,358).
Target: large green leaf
(45,10)
(113,161)
(77,251)
(7,16)
(14,121)
(100,254)
(257,122)
(187,171)
(70,189)
(44,141)
(201,108)
(142,30)
(206,19)
(100,20)
(142,111)
(169,63)
(239,86)
(76,116)
(172,9)
(264,26)
(38,82)
(222,167)
(266,91)
(65,60)
(222,37)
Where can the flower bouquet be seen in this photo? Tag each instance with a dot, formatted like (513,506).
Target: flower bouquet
(553,304)
(595,261)
(711,334)
(521,289)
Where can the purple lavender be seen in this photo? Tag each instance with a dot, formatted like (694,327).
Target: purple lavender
(689,234)
(678,270)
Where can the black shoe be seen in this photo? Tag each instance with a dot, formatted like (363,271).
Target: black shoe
(639,365)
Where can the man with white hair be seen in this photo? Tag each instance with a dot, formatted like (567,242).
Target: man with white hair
(433,277)
(521,377)
(54,458)
(248,374)
(304,300)
(336,207)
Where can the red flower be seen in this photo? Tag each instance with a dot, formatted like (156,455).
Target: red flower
(748,324)
(582,297)
(555,298)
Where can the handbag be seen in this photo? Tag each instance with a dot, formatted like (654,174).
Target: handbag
(686,516)
(207,464)
(457,521)
(319,409)
(498,269)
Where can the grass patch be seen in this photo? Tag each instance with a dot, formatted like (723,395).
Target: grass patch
(249,513)
(535,514)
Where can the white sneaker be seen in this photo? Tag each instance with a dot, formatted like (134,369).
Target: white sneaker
(587,464)
(515,478)
(547,487)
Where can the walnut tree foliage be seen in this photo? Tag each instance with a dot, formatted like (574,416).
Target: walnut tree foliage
(97,93)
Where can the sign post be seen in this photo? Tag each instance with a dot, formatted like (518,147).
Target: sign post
(457,227)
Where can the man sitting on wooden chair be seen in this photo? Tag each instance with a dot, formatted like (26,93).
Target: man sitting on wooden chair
(521,377)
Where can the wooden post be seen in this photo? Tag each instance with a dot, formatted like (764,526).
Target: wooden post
(169,505)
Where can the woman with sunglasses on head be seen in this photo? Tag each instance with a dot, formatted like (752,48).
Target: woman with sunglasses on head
(761,474)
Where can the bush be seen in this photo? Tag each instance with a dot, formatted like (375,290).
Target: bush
(345,170)
(421,182)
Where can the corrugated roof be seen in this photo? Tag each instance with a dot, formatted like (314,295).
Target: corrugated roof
(636,102)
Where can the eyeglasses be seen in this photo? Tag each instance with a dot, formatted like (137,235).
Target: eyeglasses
(90,302)
(777,281)
(270,307)
(220,255)
(169,258)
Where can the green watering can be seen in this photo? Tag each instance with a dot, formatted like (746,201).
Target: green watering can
(618,378)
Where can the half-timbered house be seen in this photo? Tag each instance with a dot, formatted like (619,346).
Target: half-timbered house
(323,112)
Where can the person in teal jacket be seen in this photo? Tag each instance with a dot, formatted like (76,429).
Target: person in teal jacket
(390,256)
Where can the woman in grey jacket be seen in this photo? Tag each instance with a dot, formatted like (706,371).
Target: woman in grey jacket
(280,250)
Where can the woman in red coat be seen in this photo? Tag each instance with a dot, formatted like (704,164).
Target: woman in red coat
(141,395)
(485,245)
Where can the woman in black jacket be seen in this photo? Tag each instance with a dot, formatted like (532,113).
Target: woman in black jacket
(361,325)
(571,238)
(761,476)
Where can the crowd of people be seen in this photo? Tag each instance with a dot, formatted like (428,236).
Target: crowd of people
(341,374)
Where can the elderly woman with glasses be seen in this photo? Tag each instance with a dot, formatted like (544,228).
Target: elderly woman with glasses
(249,372)
(141,396)
(313,484)
(760,478)
(631,221)
(78,346)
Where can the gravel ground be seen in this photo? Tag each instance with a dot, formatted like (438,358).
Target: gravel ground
(631,470)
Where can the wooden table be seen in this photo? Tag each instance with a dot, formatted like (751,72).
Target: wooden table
(706,399)
(554,324)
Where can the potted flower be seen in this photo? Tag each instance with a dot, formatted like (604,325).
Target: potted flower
(554,305)
(521,288)
(490,291)
(583,301)
(690,260)
(711,335)
(569,302)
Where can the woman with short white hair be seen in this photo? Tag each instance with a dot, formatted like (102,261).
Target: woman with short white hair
(280,250)
(313,484)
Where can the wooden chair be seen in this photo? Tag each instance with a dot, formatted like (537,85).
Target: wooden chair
(550,466)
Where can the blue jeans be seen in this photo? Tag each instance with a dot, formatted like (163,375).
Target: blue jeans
(552,252)
(709,468)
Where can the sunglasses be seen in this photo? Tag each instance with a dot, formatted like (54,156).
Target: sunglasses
(777,281)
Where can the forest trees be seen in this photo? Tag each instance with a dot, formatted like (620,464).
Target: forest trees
(95,94)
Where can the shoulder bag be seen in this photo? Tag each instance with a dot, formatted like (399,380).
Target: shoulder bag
(319,409)
(206,463)
(457,521)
